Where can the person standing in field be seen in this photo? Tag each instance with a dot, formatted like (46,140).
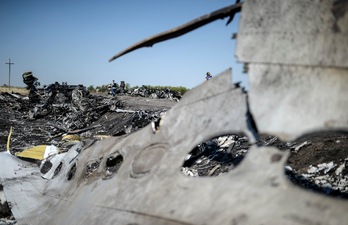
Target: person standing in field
(113,88)
(208,76)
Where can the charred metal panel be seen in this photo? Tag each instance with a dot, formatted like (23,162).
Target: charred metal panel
(301,32)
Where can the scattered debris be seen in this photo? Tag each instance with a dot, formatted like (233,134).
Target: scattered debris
(74,112)
(326,167)
(216,156)
(321,165)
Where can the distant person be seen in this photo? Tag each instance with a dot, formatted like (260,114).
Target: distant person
(208,76)
(113,88)
(31,82)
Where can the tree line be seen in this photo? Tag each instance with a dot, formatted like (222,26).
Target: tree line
(105,88)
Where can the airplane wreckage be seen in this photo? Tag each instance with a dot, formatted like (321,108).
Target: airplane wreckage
(297,57)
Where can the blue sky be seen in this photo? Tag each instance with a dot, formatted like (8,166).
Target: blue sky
(72,41)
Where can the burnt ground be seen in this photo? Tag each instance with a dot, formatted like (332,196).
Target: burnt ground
(318,161)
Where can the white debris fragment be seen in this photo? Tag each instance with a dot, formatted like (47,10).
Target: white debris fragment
(312,169)
(187,157)
(50,150)
(198,161)
(320,167)
(326,166)
(123,111)
(4,221)
(339,170)
(288,168)
(271,141)
(298,147)
(307,175)
(189,172)
(225,141)
(322,179)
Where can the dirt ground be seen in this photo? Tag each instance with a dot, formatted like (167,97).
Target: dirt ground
(323,147)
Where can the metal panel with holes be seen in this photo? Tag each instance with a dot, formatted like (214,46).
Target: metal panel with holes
(297,52)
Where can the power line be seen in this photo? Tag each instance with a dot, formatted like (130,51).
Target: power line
(9,72)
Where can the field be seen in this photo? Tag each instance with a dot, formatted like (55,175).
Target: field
(19,90)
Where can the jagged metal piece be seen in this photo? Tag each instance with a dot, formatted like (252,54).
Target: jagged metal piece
(298,65)
(306,32)
(228,11)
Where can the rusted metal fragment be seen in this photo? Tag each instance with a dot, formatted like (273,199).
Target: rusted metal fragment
(228,11)
(304,32)
(288,101)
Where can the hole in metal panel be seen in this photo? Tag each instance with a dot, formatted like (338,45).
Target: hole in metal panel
(71,172)
(92,167)
(46,167)
(155,125)
(58,169)
(113,164)
(216,156)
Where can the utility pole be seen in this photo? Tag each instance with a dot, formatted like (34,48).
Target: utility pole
(9,72)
